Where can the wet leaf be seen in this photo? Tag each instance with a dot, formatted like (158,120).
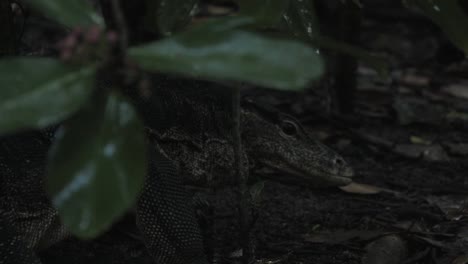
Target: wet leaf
(267,13)
(97,165)
(378,63)
(71,13)
(302,19)
(37,92)
(217,50)
(168,16)
(449,16)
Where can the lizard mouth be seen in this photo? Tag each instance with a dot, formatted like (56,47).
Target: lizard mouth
(314,179)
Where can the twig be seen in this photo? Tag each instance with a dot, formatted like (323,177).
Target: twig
(241,176)
(7,45)
(120,24)
(111,72)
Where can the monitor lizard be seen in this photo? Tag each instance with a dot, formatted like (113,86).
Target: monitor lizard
(197,153)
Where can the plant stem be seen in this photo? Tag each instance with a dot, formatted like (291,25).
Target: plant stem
(241,175)
(112,71)
(349,25)
(7,44)
(121,25)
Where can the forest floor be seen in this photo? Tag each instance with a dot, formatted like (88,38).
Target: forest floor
(408,143)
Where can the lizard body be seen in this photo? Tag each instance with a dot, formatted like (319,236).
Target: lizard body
(193,126)
(197,152)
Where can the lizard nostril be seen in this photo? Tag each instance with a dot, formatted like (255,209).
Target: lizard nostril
(339,161)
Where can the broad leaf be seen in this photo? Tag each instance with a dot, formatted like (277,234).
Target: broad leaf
(218,50)
(448,15)
(267,13)
(172,15)
(97,165)
(71,13)
(301,18)
(378,63)
(302,21)
(37,92)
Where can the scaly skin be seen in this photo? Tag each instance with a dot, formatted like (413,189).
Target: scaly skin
(277,141)
(28,221)
(292,155)
(268,141)
(199,154)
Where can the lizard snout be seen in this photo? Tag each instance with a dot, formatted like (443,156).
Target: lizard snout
(344,169)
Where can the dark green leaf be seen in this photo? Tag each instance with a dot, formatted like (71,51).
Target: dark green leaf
(150,17)
(301,19)
(37,92)
(448,15)
(267,13)
(172,15)
(380,64)
(97,165)
(71,13)
(216,50)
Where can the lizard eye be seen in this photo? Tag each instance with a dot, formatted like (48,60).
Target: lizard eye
(289,128)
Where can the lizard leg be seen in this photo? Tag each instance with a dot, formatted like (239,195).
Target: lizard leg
(204,212)
(165,215)
(13,250)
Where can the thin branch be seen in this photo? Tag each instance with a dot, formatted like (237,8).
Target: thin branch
(7,44)
(241,175)
(121,24)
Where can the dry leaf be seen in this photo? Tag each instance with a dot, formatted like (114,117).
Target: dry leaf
(361,188)
(390,249)
(463,259)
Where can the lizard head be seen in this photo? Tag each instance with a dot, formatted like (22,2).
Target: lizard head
(278,143)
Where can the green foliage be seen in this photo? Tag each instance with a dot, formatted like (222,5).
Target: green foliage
(267,13)
(379,64)
(449,16)
(37,92)
(70,13)
(97,165)
(98,161)
(171,15)
(301,19)
(218,50)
